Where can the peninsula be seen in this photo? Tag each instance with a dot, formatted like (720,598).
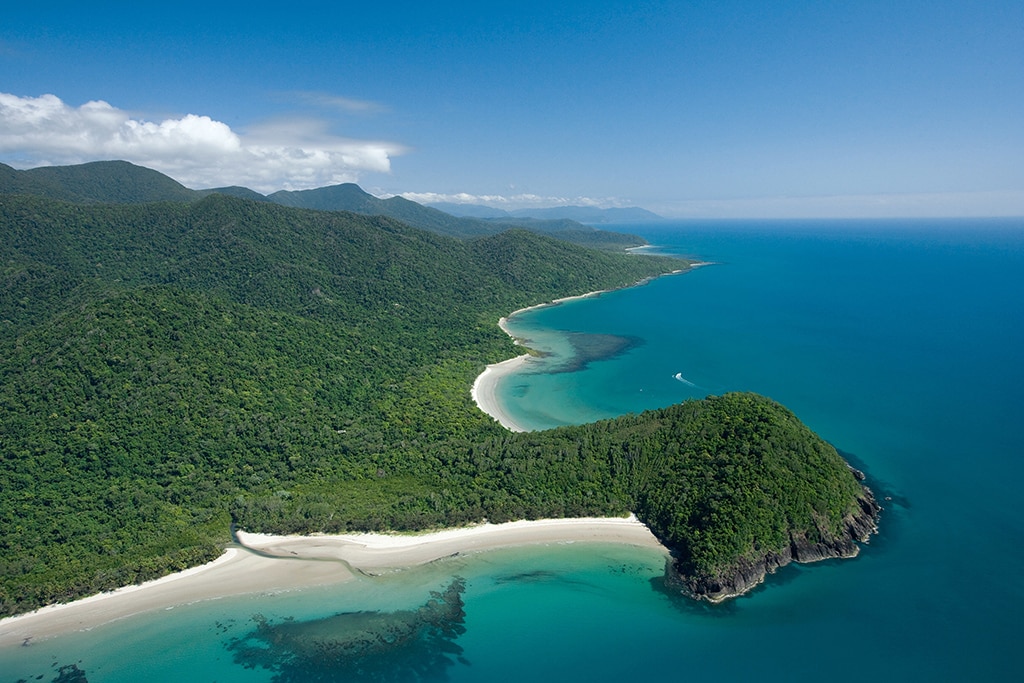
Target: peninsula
(175,366)
(727,536)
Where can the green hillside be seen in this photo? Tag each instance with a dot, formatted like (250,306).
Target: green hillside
(98,181)
(178,356)
(169,368)
(349,197)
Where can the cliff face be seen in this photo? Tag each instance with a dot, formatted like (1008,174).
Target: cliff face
(748,573)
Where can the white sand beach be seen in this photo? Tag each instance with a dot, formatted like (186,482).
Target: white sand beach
(485,387)
(485,391)
(239,571)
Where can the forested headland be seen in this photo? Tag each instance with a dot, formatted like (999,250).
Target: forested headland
(168,368)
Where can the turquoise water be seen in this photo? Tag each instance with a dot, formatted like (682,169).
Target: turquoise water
(899,341)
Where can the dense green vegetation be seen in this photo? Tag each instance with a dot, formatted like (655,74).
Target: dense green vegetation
(97,181)
(349,197)
(732,477)
(168,368)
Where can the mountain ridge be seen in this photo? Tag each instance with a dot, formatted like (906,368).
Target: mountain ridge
(122,182)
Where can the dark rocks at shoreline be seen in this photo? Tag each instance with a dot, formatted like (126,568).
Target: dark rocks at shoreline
(858,527)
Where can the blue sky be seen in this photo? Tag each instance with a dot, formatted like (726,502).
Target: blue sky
(686,108)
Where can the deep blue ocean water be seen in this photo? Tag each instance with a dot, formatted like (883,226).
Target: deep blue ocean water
(900,342)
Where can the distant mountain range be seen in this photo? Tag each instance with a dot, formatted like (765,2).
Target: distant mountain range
(590,215)
(121,182)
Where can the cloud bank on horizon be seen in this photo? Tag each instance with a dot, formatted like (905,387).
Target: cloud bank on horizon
(194,149)
(513,201)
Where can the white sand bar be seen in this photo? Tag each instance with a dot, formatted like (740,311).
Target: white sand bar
(239,571)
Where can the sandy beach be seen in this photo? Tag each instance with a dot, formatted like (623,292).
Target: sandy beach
(485,386)
(484,389)
(278,564)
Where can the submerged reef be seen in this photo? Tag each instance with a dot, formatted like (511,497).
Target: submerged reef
(405,645)
(66,673)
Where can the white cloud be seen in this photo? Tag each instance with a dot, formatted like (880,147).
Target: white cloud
(195,150)
(511,202)
(348,104)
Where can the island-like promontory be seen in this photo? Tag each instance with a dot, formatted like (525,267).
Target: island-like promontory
(750,571)
(735,486)
(741,487)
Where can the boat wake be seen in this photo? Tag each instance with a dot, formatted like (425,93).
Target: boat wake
(679,376)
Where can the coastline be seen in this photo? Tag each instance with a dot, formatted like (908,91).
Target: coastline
(485,386)
(373,553)
(263,563)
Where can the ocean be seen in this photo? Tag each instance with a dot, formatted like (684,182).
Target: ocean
(900,342)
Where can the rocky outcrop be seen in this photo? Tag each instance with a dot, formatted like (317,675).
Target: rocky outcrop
(748,573)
